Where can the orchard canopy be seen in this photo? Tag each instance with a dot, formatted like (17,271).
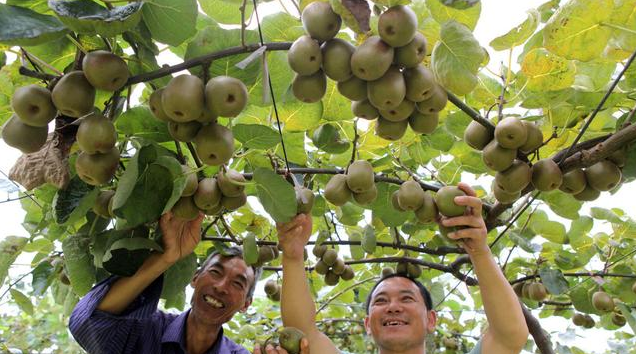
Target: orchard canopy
(364,114)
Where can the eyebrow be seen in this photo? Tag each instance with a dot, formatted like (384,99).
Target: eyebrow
(402,292)
(218,264)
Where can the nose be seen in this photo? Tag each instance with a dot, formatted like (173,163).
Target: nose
(394,306)
(221,285)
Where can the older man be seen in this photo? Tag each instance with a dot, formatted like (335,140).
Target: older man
(399,309)
(120,315)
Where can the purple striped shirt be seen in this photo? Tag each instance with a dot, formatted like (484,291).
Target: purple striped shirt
(140,329)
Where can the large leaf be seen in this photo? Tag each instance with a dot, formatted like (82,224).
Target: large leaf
(457,57)
(21,26)
(126,255)
(23,301)
(624,15)
(546,71)
(383,208)
(551,230)
(276,195)
(519,34)
(88,17)
(335,105)
(250,249)
(78,263)
(299,116)
(442,13)
(175,279)
(43,274)
(139,121)
(575,30)
(74,201)
(10,249)
(171,21)
(553,280)
(281,27)
(224,11)
(256,136)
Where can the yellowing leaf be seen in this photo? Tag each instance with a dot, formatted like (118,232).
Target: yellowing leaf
(546,71)
(442,13)
(575,31)
(519,34)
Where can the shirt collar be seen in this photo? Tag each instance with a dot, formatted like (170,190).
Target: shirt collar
(175,333)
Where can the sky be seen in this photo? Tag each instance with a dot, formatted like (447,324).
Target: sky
(497,17)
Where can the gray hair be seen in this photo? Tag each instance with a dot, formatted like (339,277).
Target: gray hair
(231,252)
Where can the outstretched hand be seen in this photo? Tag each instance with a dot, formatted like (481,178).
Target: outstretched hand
(473,235)
(270,349)
(180,237)
(294,235)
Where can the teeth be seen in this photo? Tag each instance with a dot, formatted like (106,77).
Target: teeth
(394,323)
(212,301)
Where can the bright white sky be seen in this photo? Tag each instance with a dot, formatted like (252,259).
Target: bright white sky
(497,17)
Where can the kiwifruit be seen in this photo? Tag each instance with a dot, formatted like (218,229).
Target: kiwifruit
(319,250)
(445,201)
(192,183)
(213,210)
(578,319)
(497,157)
(411,195)
(450,343)
(225,96)
(354,89)
(233,203)
(390,130)
(436,102)
(214,144)
(156,105)
(618,319)
(423,123)
(397,25)
(412,54)
(321,267)
(24,137)
(339,266)
(101,203)
(329,257)
(310,88)
(207,116)
(73,95)
(402,268)
(331,278)
(386,271)
(388,91)
(208,194)
(602,301)
(574,182)
(477,136)
(518,287)
(511,133)
(360,176)
(371,59)
(96,133)
(266,254)
(230,182)
(185,132)
(546,175)
(336,59)
(399,113)
(105,70)
(304,55)
(304,200)
(589,322)
(336,190)
(503,196)
(525,292)
(603,175)
(537,292)
(96,169)
(275,296)
(33,105)
(289,338)
(428,211)
(183,99)
(366,197)
(420,83)
(413,270)
(514,178)
(364,109)
(588,194)
(394,201)
(534,138)
(618,157)
(185,209)
(348,273)
(634,288)
(320,21)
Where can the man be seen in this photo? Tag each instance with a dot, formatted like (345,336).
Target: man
(399,313)
(119,315)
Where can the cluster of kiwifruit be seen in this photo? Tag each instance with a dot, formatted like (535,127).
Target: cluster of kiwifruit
(409,269)
(583,320)
(73,95)
(191,111)
(384,76)
(451,343)
(358,182)
(535,291)
(604,303)
(587,184)
(331,266)
(266,254)
(272,290)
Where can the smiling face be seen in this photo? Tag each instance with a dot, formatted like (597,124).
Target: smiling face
(220,290)
(398,319)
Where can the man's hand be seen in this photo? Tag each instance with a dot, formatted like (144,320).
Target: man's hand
(473,235)
(180,237)
(293,236)
(304,348)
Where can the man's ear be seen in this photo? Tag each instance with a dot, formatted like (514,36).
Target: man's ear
(432,321)
(194,278)
(246,305)
(367,327)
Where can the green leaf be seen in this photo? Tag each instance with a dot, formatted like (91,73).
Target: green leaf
(519,34)
(335,106)
(605,214)
(78,263)
(546,71)
(140,122)
(23,301)
(74,201)
(457,122)
(299,116)
(456,58)
(624,15)
(383,208)
(553,280)
(281,27)
(42,276)
(256,136)
(581,297)
(357,252)
(442,13)
(171,21)
(562,204)
(276,195)
(575,30)
(551,230)
(126,255)
(577,235)
(250,249)
(23,27)
(10,249)
(179,182)
(175,279)
(369,241)
(295,145)
(226,12)
(629,315)
(88,17)
(593,76)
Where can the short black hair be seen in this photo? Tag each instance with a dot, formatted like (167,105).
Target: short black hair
(232,252)
(425,293)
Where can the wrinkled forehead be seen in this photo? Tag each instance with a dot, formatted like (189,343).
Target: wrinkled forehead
(396,286)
